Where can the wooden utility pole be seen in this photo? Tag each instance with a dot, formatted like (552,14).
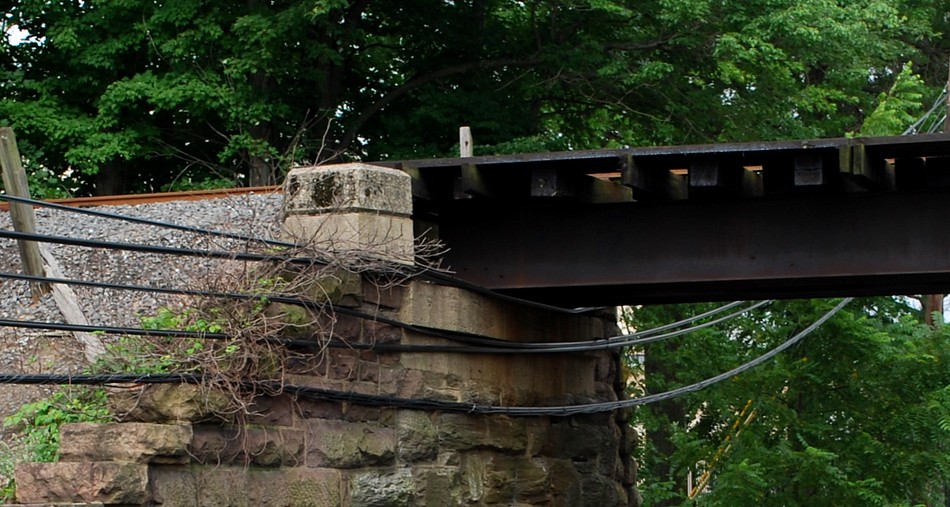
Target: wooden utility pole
(24,220)
(32,254)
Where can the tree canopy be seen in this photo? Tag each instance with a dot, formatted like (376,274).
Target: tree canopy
(135,95)
(857,414)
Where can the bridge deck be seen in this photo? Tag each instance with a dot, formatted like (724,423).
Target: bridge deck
(709,222)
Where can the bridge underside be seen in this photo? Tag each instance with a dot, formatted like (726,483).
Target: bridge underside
(814,218)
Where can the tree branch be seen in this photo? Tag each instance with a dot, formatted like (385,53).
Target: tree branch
(416,82)
(631,46)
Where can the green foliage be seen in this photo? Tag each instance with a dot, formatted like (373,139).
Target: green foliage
(38,423)
(36,426)
(854,415)
(897,109)
(157,94)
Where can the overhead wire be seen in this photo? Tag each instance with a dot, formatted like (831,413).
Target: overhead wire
(500,347)
(421,273)
(458,336)
(497,346)
(429,404)
(146,221)
(935,125)
(488,345)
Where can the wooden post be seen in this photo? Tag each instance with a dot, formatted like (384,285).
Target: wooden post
(14,181)
(68,304)
(466,147)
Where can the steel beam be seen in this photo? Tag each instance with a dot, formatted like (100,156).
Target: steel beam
(794,246)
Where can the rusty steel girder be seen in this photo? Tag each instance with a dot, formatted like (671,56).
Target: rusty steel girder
(827,217)
(808,246)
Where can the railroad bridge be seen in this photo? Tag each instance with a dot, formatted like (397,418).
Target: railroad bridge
(823,217)
(446,394)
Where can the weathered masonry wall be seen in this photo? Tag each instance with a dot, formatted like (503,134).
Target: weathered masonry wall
(299,451)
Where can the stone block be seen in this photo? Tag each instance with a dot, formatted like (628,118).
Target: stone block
(598,489)
(461,432)
(173,485)
(246,487)
(339,444)
(388,296)
(168,403)
(377,332)
(491,478)
(445,307)
(368,372)
(126,442)
(355,412)
(598,445)
(510,379)
(351,207)
(395,380)
(354,186)
(337,286)
(317,409)
(385,236)
(418,438)
(222,487)
(90,482)
(257,446)
(437,486)
(300,488)
(382,488)
(565,482)
(271,410)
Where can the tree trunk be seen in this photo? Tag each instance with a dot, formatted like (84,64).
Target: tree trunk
(932,303)
(262,168)
(110,180)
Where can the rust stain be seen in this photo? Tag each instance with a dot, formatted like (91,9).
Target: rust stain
(132,199)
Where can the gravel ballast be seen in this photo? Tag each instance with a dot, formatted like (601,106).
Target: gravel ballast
(24,350)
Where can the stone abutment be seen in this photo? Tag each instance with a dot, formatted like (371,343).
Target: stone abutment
(301,449)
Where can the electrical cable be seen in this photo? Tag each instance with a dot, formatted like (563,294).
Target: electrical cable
(165,250)
(941,100)
(498,349)
(437,405)
(98,378)
(276,298)
(458,336)
(146,221)
(424,274)
(470,338)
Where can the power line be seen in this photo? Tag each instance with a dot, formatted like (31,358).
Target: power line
(493,344)
(428,404)
(153,249)
(498,347)
(146,221)
(424,274)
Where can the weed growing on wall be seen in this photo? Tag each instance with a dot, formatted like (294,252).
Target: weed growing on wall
(37,426)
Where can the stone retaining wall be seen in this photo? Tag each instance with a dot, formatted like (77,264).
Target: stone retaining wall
(296,451)
(305,452)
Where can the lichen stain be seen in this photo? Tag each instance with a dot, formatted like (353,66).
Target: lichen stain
(324,191)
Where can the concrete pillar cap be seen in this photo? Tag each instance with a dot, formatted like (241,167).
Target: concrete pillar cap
(348,187)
